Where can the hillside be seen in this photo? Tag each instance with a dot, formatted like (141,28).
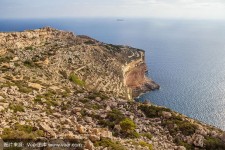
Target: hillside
(57,85)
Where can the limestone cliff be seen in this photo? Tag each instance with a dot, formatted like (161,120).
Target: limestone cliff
(117,70)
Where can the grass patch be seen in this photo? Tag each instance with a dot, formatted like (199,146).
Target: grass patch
(147,135)
(89,42)
(30,64)
(5,59)
(106,142)
(128,128)
(127,125)
(29,48)
(214,144)
(75,79)
(113,117)
(176,124)
(16,108)
(185,144)
(21,132)
(97,94)
(143,144)
(47,98)
(153,111)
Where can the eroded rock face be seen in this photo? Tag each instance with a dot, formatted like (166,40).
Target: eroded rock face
(136,80)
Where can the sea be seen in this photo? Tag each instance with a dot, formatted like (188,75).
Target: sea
(185,57)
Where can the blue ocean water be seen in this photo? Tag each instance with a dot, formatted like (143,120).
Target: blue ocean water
(187,58)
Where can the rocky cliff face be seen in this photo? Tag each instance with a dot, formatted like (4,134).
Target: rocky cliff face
(119,70)
(56,85)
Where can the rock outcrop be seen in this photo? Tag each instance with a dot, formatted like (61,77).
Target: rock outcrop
(58,86)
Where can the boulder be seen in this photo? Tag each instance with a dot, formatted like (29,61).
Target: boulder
(15,59)
(98,99)
(94,138)
(88,119)
(180,148)
(198,140)
(81,129)
(117,127)
(1,98)
(89,145)
(1,108)
(105,133)
(166,114)
(108,108)
(35,86)
(5,105)
(48,129)
(77,109)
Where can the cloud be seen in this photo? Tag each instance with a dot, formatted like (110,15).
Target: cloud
(214,9)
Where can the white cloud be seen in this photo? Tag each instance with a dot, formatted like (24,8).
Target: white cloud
(193,9)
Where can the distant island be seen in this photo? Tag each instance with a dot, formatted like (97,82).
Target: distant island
(120,20)
(58,85)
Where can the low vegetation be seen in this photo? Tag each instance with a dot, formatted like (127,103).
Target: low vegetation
(16,108)
(113,117)
(142,144)
(29,48)
(21,132)
(47,98)
(147,135)
(93,95)
(214,144)
(153,111)
(174,124)
(75,79)
(106,142)
(128,128)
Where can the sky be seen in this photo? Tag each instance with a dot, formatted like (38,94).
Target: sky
(179,9)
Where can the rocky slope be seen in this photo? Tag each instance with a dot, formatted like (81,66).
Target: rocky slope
(56,85)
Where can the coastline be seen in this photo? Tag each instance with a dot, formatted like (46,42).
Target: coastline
(47,86)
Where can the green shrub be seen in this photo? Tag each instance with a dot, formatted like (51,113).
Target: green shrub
(97,94)
(148,135)
(153,111)
(143,144)
(113,117)
(89,42)
(128,128)
(16,108)
(176,124)
(23,87)
(5,59)
(185,144)
(29,48)
(21,132)
(214,144)
(75,79)
(187,128)
(49,99)
(63,73)
(106,142)
(93,106)
(29,63)
(127,125)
